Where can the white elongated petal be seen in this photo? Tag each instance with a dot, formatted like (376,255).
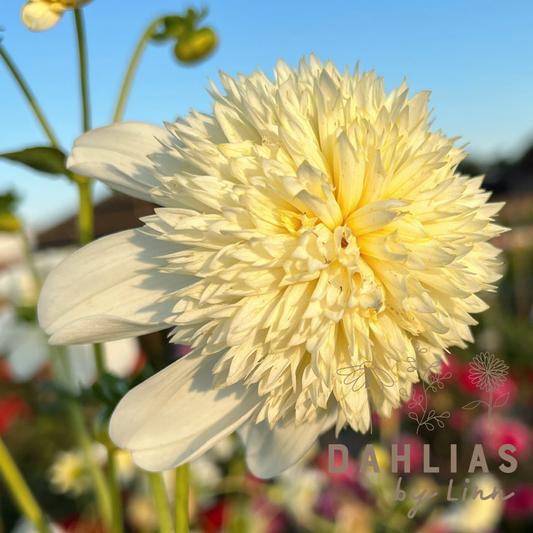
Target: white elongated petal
(40,16)
(109,290)
(271,451)
(118,156)
(176,415)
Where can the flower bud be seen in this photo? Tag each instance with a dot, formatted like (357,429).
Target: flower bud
(195,45)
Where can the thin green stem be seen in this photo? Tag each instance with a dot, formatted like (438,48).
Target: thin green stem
(181,511)
(23,496)
(132,69)
(64,373)
(161,502)
(30,97)
(99,358)
(83,65)
(116,497)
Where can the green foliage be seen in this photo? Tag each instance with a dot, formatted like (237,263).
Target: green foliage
(42,158)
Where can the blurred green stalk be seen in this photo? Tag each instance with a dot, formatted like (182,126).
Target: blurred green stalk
(83,438)
(25,88)
(23,497)
(132,69)
(181,511)
(161,502)
(116,497)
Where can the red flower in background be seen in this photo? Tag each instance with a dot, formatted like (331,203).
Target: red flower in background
(505,431)
(520,506)
(416,452)
(12,408)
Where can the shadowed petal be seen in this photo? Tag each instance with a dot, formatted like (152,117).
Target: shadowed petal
(175,416)
(109,290)
(271,451)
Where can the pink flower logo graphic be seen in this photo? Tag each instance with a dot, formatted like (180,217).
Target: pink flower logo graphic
(488,373)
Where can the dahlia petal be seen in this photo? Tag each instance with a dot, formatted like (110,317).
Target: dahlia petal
(118,156)
(176,415)
(109,290)
(40,16)
(271,451)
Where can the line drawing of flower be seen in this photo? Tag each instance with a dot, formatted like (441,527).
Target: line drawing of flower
(366,370)
(433,381)
(488,373)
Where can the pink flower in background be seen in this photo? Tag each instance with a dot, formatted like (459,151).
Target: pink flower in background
(509,387)
(505,431)
(453,365)
(417,452)
(520,506)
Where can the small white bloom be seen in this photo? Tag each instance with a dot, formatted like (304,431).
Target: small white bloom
(70,473)
(311,223)
(41,15)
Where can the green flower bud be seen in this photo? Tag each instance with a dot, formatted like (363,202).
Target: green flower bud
(195,45)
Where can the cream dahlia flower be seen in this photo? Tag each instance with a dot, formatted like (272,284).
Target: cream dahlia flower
(310,224)
(41,15)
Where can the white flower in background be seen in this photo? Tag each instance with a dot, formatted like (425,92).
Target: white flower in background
(26,526)
(224,450)
(309,224)
(70,473)
(25,345)
(11,248)
(300,489)
(41,15)
(205,476)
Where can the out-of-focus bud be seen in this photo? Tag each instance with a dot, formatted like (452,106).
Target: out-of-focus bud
(41,15)
(195,45)
(8,221)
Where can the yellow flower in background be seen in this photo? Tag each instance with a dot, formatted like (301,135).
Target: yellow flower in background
(311,223)
(70,473)
(41,15)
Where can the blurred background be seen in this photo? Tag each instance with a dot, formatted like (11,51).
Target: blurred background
(473,56)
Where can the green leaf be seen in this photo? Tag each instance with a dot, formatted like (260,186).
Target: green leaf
(42,158)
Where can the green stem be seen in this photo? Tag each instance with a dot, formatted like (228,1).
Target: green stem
(182,499)
(64,373)
(99,358)
(20,490)
(161,502)
(25,88)
(132,69)
(116,496)
(83,63)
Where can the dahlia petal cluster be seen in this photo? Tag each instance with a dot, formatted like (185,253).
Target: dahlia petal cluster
(309,224)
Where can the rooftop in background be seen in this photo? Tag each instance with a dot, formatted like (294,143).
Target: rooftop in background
(116,213)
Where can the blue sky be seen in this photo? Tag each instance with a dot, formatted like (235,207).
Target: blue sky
(472,54)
